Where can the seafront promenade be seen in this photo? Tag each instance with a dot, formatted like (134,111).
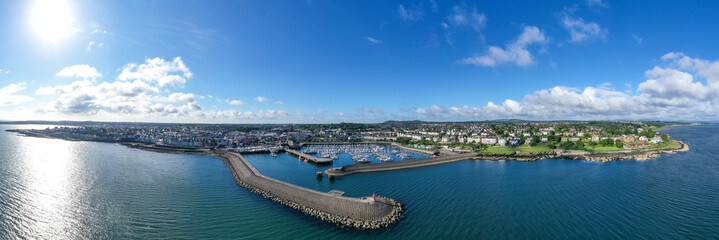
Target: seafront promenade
(362,213)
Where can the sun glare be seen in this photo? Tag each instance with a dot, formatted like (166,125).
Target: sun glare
(52,19)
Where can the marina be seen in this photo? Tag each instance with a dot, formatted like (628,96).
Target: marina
(361,153)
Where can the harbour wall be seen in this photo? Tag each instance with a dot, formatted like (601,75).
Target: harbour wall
(360,213)
(389,166)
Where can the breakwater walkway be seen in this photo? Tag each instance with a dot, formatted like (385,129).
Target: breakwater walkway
(362,213)
(309,157)
(389,166)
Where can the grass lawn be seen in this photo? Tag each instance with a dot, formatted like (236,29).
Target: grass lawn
(599,148)
(671,143)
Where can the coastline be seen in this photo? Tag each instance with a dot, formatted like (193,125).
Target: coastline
(645,154)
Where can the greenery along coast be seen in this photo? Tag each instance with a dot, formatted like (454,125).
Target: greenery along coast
(491,140)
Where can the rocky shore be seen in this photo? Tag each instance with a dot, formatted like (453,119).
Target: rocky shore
(643,154)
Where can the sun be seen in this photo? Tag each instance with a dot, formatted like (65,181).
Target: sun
(52,19)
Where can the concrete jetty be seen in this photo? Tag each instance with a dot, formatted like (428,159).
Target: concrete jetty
(388,166)
(333,207)
(362,213)
(309,157)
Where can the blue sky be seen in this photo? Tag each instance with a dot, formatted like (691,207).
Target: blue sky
(371,61)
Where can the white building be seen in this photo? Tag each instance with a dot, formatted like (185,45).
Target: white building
(489,140)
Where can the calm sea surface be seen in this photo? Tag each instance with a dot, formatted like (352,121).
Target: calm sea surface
(59,189)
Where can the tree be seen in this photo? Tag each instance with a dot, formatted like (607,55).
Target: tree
(579,145)
(665,138)
(619,143)
(606,142)
(535,141)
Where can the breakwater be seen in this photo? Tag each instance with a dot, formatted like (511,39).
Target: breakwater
(389,166)
(360,213)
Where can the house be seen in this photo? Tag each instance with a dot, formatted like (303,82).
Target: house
(656,139)
(636,145)
(489,140)
(502,141)
(544,139)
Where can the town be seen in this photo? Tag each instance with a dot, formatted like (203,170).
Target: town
(493,137)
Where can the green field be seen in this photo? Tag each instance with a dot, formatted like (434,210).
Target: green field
(671,144)
(599,148)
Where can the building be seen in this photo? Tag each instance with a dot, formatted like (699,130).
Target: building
(636,145)
(489,140)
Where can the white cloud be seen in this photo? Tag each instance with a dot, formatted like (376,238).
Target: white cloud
(516,51)
(279,102)
(234,102)
(9,97)
(181,97)
(137,96)
(138,92)
(637,39)
(367,111)
(157,70)
(597,3)
(373,40)
(82,70)
(93,43)
(669,93)
(580,30)
(433,111)
(234,114)
(672,83)
(462,17)
(96,31)
(411,13)
(444,25)
(434,5)
(339,114)
(261,99)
